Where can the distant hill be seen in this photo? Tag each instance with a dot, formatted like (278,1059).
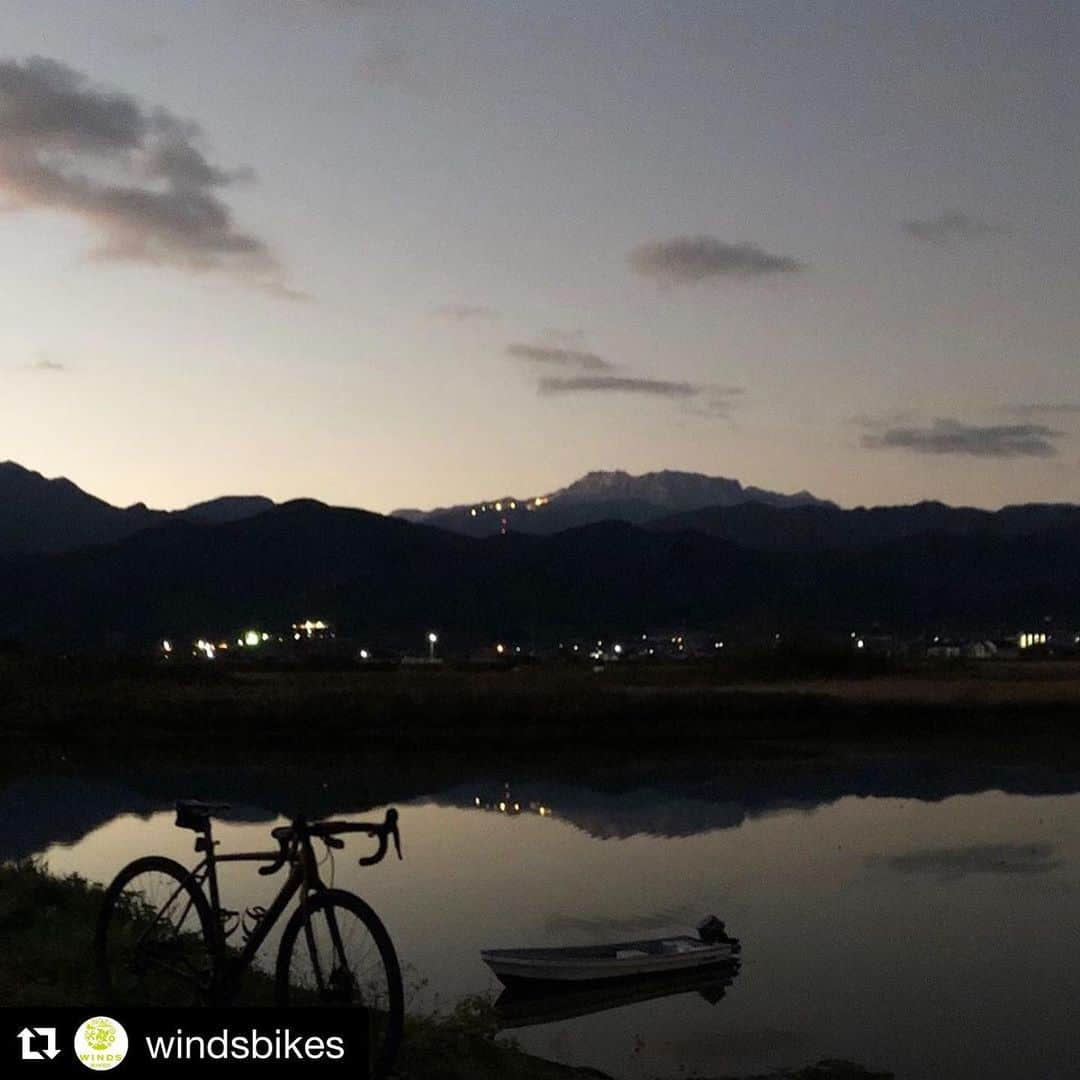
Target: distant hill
(38,515)
(825,527)
(383,580)
(602,496)
(227,508)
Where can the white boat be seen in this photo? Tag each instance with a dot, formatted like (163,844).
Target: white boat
(592,963)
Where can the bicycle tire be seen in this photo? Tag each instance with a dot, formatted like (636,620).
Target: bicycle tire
(111,921)
(388,1036)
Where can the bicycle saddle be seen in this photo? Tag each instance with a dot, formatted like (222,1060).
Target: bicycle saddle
(195,814)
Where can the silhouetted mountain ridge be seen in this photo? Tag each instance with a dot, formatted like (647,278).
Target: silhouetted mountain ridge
(39,515)
(816,528)
(383,580)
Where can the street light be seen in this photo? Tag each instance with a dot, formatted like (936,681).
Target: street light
(432,640)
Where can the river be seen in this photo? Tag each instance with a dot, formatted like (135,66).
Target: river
(910,916)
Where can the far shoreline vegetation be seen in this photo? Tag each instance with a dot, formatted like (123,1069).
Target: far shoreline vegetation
(46,927)
(751,699)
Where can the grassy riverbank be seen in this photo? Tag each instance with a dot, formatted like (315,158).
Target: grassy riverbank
(46,931)
(46,928)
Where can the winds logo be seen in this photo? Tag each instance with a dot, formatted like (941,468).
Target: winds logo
(101,1043)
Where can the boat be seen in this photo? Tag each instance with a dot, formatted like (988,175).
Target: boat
(598,963)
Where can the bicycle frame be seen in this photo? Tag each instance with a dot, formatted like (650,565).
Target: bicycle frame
(303,878)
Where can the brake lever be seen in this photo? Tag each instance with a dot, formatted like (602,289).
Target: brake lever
(277,864)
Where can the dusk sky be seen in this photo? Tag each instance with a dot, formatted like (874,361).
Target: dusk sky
(416,253)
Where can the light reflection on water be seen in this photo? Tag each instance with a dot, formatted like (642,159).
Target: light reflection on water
(930,939)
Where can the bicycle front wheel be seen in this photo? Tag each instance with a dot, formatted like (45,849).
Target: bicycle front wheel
(335,951)
(155,942)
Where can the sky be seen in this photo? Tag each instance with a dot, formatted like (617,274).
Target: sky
(392,253)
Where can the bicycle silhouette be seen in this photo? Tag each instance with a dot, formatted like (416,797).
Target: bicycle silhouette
(162,941)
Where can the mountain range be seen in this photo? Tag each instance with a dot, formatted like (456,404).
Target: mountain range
(102,575)
(39,515)
(603,496)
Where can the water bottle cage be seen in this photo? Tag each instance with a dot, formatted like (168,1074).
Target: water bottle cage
(255,914)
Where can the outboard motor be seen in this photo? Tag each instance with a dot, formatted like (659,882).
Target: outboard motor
(712,931)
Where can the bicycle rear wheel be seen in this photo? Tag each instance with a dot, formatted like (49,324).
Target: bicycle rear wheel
(155,942)
(335,951)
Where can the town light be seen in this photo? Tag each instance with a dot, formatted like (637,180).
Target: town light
(432,640)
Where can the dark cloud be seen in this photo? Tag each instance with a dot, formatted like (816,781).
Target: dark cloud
(135,175)
(465,312)
(954,437)
(1045,408)
(704,400)
(687,259)
(1007,859)
(588,373)
(617,384)
(949,225)
(551,356)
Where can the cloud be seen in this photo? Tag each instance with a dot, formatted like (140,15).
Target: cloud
(687,259)
(43,363)
(949,225)
(953,437)
(705,400)
(552,356)
(1007,859)
(588,373)
(1045,408)
(135,175)
(464,312)
(619,384)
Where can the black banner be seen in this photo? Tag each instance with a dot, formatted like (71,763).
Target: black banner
(44,1042)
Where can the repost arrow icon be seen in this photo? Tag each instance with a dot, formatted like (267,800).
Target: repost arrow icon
(27,1035)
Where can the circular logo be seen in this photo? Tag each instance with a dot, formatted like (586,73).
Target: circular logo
(101,1043)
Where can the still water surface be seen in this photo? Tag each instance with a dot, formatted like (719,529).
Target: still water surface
(930,938)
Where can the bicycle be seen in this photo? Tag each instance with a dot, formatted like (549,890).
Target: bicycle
(161,940)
